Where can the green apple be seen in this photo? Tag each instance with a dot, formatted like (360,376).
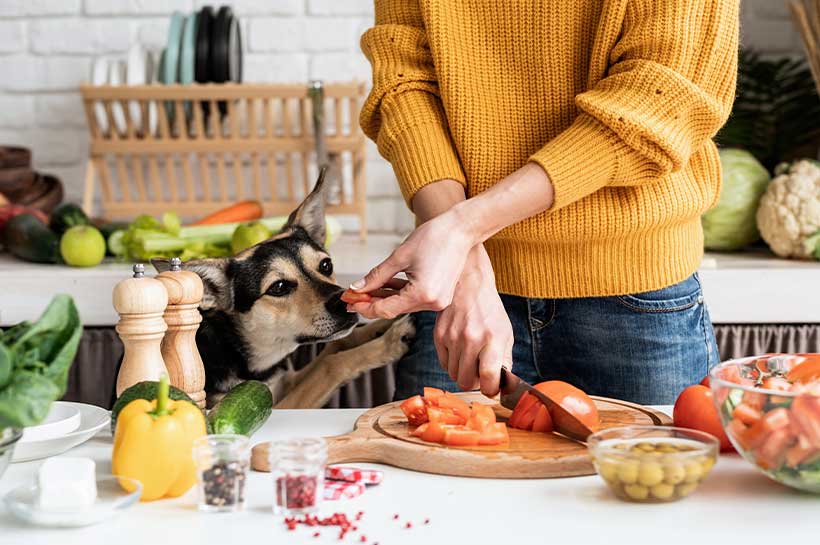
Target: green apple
(82,246)
(247,235)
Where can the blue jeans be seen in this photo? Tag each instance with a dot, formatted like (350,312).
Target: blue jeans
(644,347)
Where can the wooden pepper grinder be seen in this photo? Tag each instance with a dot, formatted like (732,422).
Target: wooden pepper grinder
(185,367)
(140,302)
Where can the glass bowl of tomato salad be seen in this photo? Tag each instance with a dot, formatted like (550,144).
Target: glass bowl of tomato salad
(652,464)
(769,406)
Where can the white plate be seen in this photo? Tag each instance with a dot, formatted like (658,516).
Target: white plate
(92,420)
(23,502)
(99,76)
(116,76)
(62,418)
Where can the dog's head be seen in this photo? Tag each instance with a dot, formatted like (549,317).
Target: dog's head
(283,290)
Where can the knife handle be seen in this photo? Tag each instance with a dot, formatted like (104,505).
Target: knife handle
(502,379)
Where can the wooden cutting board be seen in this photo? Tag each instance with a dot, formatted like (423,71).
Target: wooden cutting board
(381,435)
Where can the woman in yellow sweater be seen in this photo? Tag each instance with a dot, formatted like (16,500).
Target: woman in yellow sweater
(559,153)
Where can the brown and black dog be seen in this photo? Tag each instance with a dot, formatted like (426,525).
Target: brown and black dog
(266,301)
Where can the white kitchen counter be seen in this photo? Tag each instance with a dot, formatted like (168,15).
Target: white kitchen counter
(740,288)
(735,504)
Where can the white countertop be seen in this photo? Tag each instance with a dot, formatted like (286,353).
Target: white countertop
(736,504)
(739,288)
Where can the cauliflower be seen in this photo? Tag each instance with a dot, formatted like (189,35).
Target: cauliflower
(789,211)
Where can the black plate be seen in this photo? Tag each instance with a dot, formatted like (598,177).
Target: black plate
(220,50)
(202,64)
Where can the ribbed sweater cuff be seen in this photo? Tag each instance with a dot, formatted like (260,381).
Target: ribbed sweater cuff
(581,160)
(416,140)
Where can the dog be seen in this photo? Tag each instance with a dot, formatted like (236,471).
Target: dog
(263,303)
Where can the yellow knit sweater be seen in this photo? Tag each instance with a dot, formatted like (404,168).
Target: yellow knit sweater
(617,100)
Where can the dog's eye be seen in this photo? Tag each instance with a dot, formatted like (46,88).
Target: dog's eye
(326,266)
(280,288)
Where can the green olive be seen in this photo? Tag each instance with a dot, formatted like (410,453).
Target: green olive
(694,471)
(650,473)
(662,491)
(608,470)
(628,472)
(636,491)
(646,447)
(686,489)
(674,473)
(706,463)
(667,448)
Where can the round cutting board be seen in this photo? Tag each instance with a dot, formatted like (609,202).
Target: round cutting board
(381,435)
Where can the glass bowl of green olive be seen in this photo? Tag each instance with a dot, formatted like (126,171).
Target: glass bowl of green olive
(652,464)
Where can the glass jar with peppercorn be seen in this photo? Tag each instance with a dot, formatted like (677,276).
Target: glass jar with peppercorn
(298,470)
(222,463)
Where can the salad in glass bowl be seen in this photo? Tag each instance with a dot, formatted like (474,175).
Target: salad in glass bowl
(770,408)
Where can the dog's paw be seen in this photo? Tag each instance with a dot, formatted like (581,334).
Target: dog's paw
(397,338)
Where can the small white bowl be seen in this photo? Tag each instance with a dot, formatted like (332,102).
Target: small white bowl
(62,419)
(23,503)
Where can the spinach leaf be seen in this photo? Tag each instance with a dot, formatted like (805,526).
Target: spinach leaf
(34,362)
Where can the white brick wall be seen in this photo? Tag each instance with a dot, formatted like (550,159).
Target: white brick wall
(46,47)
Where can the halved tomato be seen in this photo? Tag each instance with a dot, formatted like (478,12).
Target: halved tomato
(543,420)
(495,435)
(458,405)
(461,436)
(573,400)
(415,410)
(351,297)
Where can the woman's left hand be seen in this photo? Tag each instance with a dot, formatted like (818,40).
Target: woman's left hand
(432,257)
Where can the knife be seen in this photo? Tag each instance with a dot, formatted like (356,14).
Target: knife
(563,421)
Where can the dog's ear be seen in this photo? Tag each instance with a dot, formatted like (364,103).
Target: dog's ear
(218,293)
(310,215)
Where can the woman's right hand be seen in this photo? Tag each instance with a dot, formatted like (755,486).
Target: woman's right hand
(473,335)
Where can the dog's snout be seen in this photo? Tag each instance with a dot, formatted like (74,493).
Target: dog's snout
(335,305)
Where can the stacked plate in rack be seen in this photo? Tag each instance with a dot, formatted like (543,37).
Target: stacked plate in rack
(202,47)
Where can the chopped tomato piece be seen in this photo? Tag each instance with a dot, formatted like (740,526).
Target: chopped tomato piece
(482,417)
(755,400)
(434,432)
(738,430)
(431,396)
(772,421)
(805,410)
(461,436)
(351,297)
(524,404)
(444,416)
(458,405)
(495,435)
(800,452)
(415,410)
(807,370)
(746,414)
(772,452)
(543,420)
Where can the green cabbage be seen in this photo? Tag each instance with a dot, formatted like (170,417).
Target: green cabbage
(731,224)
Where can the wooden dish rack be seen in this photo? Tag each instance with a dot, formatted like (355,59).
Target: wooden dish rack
(222,143)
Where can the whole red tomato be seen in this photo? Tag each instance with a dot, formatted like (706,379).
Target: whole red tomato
(705,381)
(695,410)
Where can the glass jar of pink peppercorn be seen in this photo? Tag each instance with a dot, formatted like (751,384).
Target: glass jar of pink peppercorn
(298,471)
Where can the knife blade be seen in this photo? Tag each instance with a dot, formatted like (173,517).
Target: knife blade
(564,422)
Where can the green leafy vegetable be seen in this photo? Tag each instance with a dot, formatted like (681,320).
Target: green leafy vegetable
(732,224)
(34,362)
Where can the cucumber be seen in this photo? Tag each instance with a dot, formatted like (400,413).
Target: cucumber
(143,390)
(67,215)
(243,410)
(28,238)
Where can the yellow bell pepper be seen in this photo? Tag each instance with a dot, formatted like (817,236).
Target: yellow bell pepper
(153,444)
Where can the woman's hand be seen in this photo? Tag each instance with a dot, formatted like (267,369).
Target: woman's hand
(432,257)
(473,336)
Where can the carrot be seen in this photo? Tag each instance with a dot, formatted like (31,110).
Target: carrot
(241,211)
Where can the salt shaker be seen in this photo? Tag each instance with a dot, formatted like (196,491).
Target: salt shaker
(140,302)
(185,367)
